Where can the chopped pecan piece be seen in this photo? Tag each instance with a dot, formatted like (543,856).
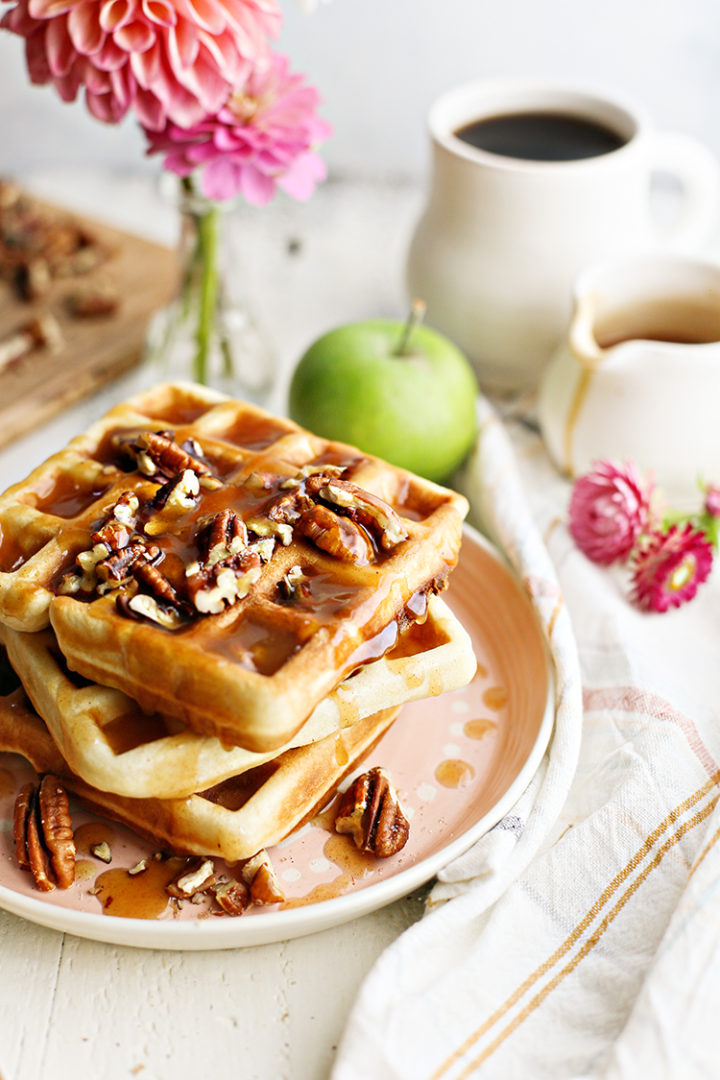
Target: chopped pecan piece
(370,812)
(266,528)
(363,507)
(147,607)
(328,471)
(158,456)
(288,508)
(232,896)
(92,301)
(179,493)
(264,548)
(259,482)
(101,851)
(83,576)
(32,279)
(337,535)
(197,876)
(57,829)
(225,583)
(295,584)
(114,534)
(259,874)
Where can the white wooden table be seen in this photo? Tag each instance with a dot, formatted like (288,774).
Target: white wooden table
(76,1008)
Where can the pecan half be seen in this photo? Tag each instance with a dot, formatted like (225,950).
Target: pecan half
(43,834)
(23,807)
(370,812)
(363,507)
(337,535)
(221,538)
(148,575)
(258,873)
(37,856)
(57,829)
(158,456)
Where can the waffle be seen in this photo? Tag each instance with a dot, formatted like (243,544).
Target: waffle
(232,820)
(249,673)
(108,742)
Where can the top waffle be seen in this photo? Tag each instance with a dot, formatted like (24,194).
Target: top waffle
(220,565)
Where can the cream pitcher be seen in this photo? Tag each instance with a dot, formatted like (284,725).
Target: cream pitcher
(638,376)
(504,233)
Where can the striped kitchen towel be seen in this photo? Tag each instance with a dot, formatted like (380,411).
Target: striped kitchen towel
(584,940)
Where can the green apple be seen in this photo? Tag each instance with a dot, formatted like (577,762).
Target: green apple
(400,391)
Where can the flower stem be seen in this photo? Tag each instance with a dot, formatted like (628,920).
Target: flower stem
(417,313)
(208,224)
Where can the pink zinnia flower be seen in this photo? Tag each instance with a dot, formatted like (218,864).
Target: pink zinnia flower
(261,138)
(609,509)
(669,568)
(176,59)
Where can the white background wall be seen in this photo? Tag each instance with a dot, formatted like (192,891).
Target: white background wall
(379,63)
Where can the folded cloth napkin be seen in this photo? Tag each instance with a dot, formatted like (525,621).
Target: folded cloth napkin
(579,940)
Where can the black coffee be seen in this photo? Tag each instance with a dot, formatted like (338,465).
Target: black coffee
(541,136)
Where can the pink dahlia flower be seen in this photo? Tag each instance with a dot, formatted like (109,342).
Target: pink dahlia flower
(609,509)
(261,138)
(176,59)
(669,568)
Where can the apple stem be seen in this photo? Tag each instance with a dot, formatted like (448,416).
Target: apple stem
(417,313)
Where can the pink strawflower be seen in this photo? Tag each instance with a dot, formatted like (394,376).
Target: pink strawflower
(670,566)
(164,59)
(712,501)
(261,138)
(609,509)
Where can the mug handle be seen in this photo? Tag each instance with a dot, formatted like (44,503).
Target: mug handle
(698,171)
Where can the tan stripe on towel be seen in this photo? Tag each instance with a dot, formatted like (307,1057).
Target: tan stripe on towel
(585,922)
(592,940)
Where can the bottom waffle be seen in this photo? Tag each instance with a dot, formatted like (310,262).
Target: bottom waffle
(232,820)
(112,745)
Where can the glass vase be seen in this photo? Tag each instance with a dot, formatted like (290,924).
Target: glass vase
(207,334)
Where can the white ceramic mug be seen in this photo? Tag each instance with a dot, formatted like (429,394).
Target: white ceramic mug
(638,376)
(501,239)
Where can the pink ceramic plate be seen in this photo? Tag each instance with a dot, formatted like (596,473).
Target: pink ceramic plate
(460,762)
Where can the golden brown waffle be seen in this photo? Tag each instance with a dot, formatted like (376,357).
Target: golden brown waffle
(107,741)
(253,673)
(232,820)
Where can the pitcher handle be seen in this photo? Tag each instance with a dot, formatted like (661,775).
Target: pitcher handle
(698,171)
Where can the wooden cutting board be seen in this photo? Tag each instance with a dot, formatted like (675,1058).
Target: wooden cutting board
(94,349)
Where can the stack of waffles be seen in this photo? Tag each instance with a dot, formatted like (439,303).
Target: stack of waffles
(211,615)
